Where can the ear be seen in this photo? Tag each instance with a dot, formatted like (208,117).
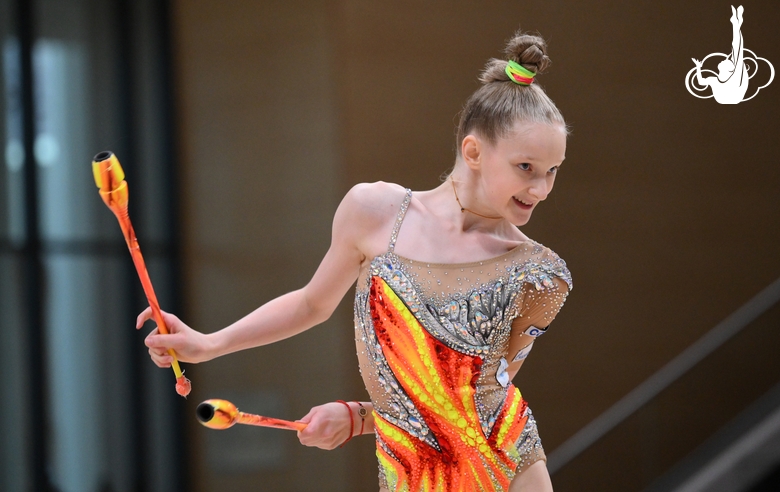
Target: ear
(470,150)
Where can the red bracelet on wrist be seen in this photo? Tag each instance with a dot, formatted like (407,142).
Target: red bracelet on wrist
(351,422)
(362,412)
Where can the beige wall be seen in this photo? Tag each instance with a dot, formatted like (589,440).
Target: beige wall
(666,208)
(262,174)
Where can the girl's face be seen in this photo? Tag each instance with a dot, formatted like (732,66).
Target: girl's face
(518,172)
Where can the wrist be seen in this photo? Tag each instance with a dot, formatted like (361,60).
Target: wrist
(350,413)
(360,417)
(214,346)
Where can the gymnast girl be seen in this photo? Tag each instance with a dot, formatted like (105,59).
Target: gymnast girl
(450,297)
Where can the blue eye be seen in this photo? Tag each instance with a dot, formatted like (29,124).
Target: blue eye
(553,170)
(524,166)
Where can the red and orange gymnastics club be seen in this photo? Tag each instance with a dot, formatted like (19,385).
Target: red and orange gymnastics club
(110,178)
(221,414)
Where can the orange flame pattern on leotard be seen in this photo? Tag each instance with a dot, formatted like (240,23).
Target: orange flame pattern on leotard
(441,383)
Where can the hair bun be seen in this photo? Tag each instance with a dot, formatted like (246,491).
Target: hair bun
(529,51)
(492,110)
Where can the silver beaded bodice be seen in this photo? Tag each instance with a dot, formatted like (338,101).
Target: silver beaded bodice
(472,308)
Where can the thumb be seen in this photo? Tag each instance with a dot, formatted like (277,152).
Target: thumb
(171,322)
(307,418)
(311,428)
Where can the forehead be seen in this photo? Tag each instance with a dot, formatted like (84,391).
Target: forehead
(542,141)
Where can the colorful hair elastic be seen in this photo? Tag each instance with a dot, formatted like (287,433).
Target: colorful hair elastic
(519,74)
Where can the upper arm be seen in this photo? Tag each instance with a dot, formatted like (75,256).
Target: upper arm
(361,219)
(538,309)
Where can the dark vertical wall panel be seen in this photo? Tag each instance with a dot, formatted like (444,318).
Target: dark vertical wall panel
(74,413)
(33,268)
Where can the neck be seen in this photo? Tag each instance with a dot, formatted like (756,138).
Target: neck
(440,203)
(464,209)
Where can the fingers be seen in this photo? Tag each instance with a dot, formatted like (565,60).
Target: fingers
(321,431)
(172,339)
(159,345)
(160,359)
(189,345)
(311,435)
(306,419)
(155,340)
(158,353)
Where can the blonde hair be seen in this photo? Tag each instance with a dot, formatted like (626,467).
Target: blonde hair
(494,108)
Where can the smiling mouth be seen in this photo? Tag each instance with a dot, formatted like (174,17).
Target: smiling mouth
(522,204)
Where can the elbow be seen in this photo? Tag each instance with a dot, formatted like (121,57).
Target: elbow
(316,310)
(320,315)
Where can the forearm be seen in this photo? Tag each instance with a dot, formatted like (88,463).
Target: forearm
(276,320)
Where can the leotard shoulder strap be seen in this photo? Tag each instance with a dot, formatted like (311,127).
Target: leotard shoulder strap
(399,220)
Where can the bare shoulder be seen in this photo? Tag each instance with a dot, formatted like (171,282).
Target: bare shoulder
(379,197)
(367,214)
(373,203)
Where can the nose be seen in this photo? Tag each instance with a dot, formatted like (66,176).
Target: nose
(539,189)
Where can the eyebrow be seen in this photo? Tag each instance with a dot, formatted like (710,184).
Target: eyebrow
(528,158)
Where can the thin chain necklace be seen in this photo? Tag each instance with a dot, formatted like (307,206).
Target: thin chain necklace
(464,209)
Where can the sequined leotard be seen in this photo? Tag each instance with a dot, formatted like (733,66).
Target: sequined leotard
(434,344)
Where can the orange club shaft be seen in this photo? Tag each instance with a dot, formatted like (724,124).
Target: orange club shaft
(110,178)
(221,414)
